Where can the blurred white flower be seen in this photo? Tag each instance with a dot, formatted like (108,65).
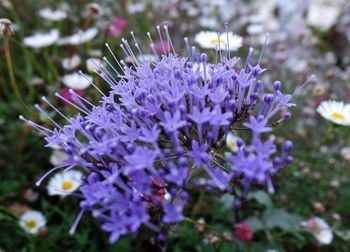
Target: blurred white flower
(211,40)
(255,29)
(31,221)
(231,141)
(80,37)
(36,81)
(94,53)
(77,81)
(71,63)
(64,183)
(93,64)
(323,14)
(92,10)
(345,153)
(200,68)
(208,22)
(55,147)
(147,57)
(40,39)
(335,111)
(219,9)
(319,229)
(52,15)
(191,9)
(7,4)
(265,14)
(57,157)
(291,17)
(136,7)
(319,89)
(295,63)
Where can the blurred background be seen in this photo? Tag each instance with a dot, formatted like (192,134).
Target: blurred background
(44,44)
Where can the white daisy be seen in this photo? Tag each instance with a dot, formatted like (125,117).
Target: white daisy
(211,40)
(319,229)
(80,37)
(52,15)
(336,112)
(231,141)
(71,63)
(57,157)
(64,183)
(39,40)
(77,81)
(31,221)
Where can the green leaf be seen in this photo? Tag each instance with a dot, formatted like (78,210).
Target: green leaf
(262,198)
(256,224)
(344,235)
(280,218)
(226,202)
(258,247)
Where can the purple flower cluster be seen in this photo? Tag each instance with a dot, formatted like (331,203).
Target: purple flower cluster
(253,163)
(161,130)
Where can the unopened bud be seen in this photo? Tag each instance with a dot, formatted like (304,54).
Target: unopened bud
(93,10)
(6,28)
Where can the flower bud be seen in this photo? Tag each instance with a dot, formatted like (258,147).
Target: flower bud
(277,85)
(6,28)
(289,160)
(268,98)
(204,57)
(287,115)
(287,146)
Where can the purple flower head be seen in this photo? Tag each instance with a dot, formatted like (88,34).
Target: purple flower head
(160,131)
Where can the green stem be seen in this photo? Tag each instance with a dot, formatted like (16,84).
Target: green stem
(347,134)
(199,202)
(196,222)
(325,137)
(11,72)
(52,74)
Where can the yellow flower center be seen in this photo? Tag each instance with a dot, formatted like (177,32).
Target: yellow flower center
(338,116)
(31,224)
(67,185)
(217,41)
(232,143)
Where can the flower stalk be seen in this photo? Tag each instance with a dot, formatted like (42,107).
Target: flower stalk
(7,32)
(326,136)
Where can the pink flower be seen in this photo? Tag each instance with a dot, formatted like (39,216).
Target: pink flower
(159,192)
(117,27)
(68,96)
(244,231)
(163,48)
(159,189)
(319,100)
